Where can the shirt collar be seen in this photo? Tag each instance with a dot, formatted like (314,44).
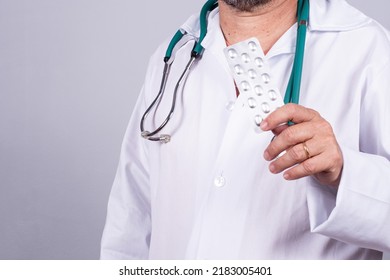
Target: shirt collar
(215,41)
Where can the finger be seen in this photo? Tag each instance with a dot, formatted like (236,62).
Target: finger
(308,167)
(289,112)
(289,137)
(295,155)
(279,129)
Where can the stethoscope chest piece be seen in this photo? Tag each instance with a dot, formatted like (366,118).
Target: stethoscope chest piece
(162,138)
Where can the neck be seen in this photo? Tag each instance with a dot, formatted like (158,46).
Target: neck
(267,22)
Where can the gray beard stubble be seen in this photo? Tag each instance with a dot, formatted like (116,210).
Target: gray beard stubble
(246,5)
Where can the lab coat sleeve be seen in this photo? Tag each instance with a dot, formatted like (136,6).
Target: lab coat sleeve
(359,211)
(128,224)
(127,231)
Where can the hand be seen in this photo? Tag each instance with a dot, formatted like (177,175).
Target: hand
(310,144)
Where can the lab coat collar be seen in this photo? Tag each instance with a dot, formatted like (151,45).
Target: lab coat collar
(335,15)
(325,15)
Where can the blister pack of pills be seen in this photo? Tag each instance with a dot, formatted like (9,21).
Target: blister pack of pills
(253,79)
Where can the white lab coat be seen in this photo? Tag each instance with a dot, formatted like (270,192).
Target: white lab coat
(208,193)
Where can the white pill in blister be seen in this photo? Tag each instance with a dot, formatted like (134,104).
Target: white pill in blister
(272,95)
(259,62)
(266,78)
(252,46)
(232,53)
(245,58)
(258,120)
(252,102)
(252,74)
(238,69)
(245,86)
(265,107)
(259,90)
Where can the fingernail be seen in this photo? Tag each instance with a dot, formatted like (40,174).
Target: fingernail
(264,125)
(266,155)
(286,176)
(272,168)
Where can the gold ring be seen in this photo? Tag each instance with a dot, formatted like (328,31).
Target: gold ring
(306,150)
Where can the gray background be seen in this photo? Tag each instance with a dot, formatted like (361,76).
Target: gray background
(70,71)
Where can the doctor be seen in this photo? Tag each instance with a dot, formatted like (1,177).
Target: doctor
(218,190)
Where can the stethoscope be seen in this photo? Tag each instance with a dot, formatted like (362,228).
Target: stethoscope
(179,39)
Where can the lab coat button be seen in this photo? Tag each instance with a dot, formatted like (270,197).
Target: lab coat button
(230,106)
(219,181)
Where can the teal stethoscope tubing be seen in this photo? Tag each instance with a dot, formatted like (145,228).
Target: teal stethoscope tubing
(293,87)
(294,84)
